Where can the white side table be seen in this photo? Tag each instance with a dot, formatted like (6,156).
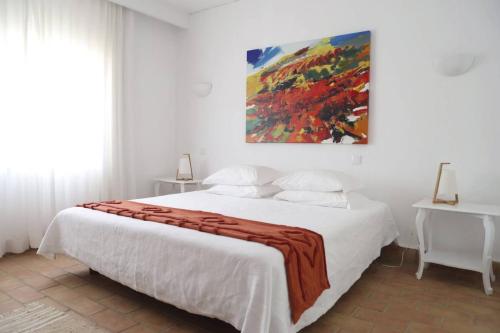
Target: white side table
(479,263)
(174,182)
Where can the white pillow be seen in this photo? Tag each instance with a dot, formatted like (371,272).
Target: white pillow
(318,180)
(245,191)
(357,200)
(328,199)
(243,175)
(351,200)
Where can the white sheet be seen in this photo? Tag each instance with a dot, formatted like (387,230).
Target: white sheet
(240,282)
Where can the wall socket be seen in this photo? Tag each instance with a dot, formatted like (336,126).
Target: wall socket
(356,159)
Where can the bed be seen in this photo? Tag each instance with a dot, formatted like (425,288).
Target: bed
(242,283)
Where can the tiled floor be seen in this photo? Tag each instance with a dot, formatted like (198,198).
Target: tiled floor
(383,300)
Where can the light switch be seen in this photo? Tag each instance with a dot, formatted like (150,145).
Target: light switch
(356,159)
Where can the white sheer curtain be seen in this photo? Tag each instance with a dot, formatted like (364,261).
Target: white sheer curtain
(60,111)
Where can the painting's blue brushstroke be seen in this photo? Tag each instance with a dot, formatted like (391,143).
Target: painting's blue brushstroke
(253,56)
(260,57)
(356,38)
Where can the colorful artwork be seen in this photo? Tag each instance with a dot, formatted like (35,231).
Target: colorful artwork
(310,92)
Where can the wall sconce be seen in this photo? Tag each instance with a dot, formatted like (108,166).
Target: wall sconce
(201,89)
(454,64)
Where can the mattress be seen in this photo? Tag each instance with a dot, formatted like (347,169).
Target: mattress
(240,282)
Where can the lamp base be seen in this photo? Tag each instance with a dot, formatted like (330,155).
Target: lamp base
(184,179)
(447,202)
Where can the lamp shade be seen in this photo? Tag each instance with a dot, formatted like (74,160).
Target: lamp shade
(184,165)
(184,169)
(448,183)
(445,191)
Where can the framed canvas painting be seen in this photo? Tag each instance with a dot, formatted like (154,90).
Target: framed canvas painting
(310,92)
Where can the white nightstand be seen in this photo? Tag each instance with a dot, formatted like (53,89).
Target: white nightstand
(479,263)
(173,182)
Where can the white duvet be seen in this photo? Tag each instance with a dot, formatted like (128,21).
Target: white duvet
(240,282)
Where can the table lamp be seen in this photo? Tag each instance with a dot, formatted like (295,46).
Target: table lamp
(445,191)
(184,170)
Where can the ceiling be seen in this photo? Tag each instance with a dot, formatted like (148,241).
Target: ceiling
(194,6)
(175,12)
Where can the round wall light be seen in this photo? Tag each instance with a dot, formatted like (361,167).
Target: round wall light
(201,89)
(454,64)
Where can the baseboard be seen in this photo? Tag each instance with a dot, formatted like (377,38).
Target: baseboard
(406,246)
(496,261)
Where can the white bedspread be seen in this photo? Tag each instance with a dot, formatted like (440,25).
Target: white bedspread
(240,282)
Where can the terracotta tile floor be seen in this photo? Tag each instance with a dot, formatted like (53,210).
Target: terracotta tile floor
(383,300)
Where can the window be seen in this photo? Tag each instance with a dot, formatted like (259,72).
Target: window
(59,110)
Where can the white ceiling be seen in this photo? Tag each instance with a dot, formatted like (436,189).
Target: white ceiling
(193,6)
(175,12)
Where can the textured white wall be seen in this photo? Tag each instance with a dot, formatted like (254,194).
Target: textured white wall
(417,117)
(151,49)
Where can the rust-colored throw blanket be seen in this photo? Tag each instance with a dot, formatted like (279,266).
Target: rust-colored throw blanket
(302,249)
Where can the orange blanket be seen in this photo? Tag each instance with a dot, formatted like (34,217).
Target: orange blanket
(302,249)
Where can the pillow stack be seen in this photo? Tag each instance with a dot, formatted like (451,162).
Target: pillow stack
(247,181)
(317,187)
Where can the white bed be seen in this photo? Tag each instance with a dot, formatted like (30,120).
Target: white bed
(240,282)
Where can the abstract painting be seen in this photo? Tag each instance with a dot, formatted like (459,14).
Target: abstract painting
(310,92)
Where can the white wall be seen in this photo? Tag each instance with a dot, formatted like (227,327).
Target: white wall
(150,68)
(417,117)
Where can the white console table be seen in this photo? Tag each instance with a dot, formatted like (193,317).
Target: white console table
(479,263)
(173,181)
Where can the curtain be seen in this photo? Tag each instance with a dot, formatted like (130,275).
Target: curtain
(60,112)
